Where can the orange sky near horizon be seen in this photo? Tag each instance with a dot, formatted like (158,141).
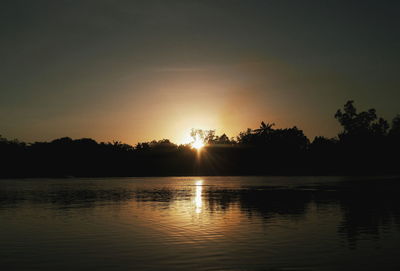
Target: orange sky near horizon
(136,71)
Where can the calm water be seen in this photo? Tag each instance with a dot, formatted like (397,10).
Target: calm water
(204,223)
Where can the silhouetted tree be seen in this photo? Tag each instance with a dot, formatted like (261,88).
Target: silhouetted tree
(360,124)
(264,129)
(364,141)
(366,145)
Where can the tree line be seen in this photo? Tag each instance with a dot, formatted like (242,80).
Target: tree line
(367,144)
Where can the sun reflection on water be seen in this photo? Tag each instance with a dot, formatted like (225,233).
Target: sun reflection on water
(198,199)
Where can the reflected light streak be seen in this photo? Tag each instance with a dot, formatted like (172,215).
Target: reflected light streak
(198,199)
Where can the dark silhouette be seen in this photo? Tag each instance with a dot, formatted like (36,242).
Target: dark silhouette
(367,145)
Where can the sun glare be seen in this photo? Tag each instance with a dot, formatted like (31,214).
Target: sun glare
(198,143)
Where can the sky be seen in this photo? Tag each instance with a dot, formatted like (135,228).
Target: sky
(135,71)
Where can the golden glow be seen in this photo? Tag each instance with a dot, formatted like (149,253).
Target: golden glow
(198,143)
(198,199)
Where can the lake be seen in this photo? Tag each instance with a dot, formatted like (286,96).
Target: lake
(200,223)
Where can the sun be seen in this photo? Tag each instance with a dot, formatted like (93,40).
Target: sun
(198,143)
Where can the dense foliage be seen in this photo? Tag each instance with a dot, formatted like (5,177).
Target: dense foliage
(368,144)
